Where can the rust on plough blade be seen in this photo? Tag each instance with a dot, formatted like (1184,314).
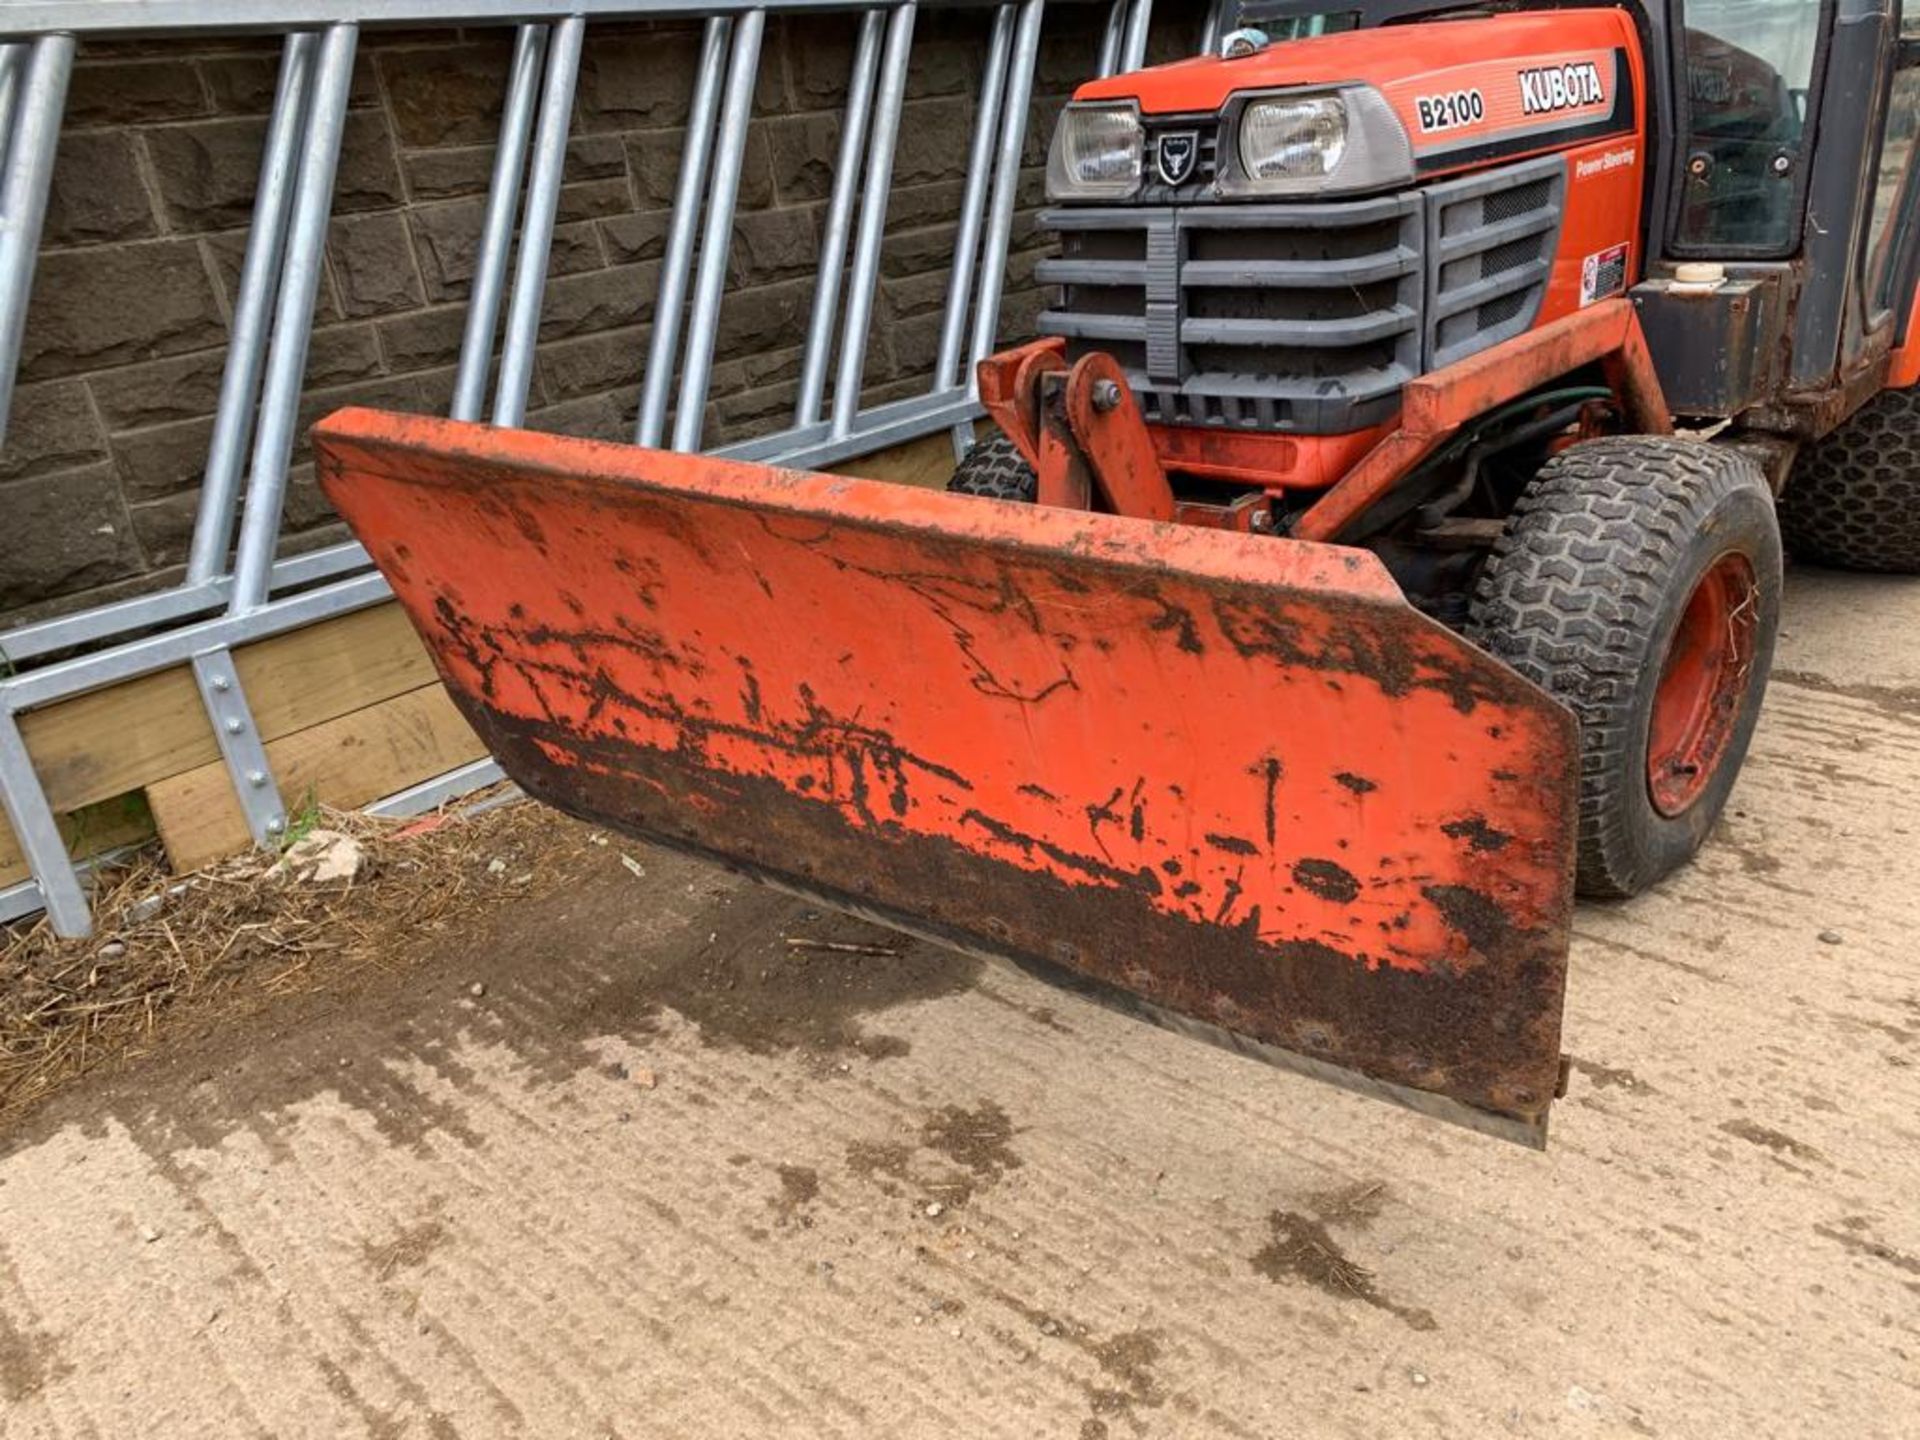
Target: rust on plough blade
(1234,783)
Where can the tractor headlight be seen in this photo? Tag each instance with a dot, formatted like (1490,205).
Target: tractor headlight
(1325,143)
(1096,153)
(1303,139)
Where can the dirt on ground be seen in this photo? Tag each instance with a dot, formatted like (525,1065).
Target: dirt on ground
(530,1130)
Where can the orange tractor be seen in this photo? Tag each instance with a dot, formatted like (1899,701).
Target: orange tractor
(1343,597)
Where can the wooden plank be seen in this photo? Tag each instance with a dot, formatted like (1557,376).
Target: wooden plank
(123,820)
(106,743)
(927,462)
(342,762)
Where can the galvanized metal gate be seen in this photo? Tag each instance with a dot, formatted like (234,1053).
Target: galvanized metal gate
(235,589)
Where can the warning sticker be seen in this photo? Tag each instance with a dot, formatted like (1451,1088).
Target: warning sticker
(1603,275)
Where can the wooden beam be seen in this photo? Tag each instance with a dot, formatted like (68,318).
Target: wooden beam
(927,462)
(108,825)
(343,762)
(106,743)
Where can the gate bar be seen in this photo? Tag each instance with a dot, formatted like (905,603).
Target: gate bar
(966,245)
(854,124)
(873,220)
(13,59)
(38,834)
(716,240)
(689,192)
(496,231)
(293,322)
(247,342)
(1006,185)
(163,607)
(1112,37)
(1214,31)
(536,225)
(1133,54)
(32,139)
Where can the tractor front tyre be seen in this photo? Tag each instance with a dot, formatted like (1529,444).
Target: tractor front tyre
(1638,581)
(996,469)
(1853,500)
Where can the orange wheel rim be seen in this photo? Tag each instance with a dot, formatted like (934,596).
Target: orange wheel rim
(1703,683)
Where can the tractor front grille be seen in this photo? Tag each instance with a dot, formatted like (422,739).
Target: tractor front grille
(1268,317)
(1306,317)
(1492,240)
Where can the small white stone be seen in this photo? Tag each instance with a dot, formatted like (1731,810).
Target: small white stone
(321,856)
(935,1210)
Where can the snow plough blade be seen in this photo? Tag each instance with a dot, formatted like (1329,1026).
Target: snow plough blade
(1234,784)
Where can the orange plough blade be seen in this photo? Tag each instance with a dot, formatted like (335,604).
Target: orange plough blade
(1235,784)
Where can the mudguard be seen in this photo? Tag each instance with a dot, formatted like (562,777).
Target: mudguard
(1235,784)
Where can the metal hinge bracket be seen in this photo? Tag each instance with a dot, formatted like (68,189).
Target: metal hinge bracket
(241,747)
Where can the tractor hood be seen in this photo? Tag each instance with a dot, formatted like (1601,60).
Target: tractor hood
(1507,84)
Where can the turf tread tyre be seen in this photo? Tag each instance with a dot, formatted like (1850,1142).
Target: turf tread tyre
(996,469)
(1853,500)
(1582,595)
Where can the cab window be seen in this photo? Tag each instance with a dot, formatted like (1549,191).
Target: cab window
(1749,82)
(1893,193)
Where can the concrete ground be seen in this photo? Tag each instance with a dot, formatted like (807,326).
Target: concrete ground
(669,1176)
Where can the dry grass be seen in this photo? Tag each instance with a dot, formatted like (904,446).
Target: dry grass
(240,932)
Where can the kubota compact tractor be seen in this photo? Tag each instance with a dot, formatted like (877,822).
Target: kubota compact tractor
(1347,593)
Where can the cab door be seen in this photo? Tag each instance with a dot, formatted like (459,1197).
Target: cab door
(1747,106)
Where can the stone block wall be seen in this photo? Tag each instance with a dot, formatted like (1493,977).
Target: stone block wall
(153,191)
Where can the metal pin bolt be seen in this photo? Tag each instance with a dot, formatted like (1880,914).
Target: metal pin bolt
(1106,395)
(1782,164)
(256,778)
(274,827)
(1261,522)
(235,726)
(222,684)
(1699,166)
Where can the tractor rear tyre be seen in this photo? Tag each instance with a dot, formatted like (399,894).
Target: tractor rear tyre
(1638,580)
(1853,500)
(996,469)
